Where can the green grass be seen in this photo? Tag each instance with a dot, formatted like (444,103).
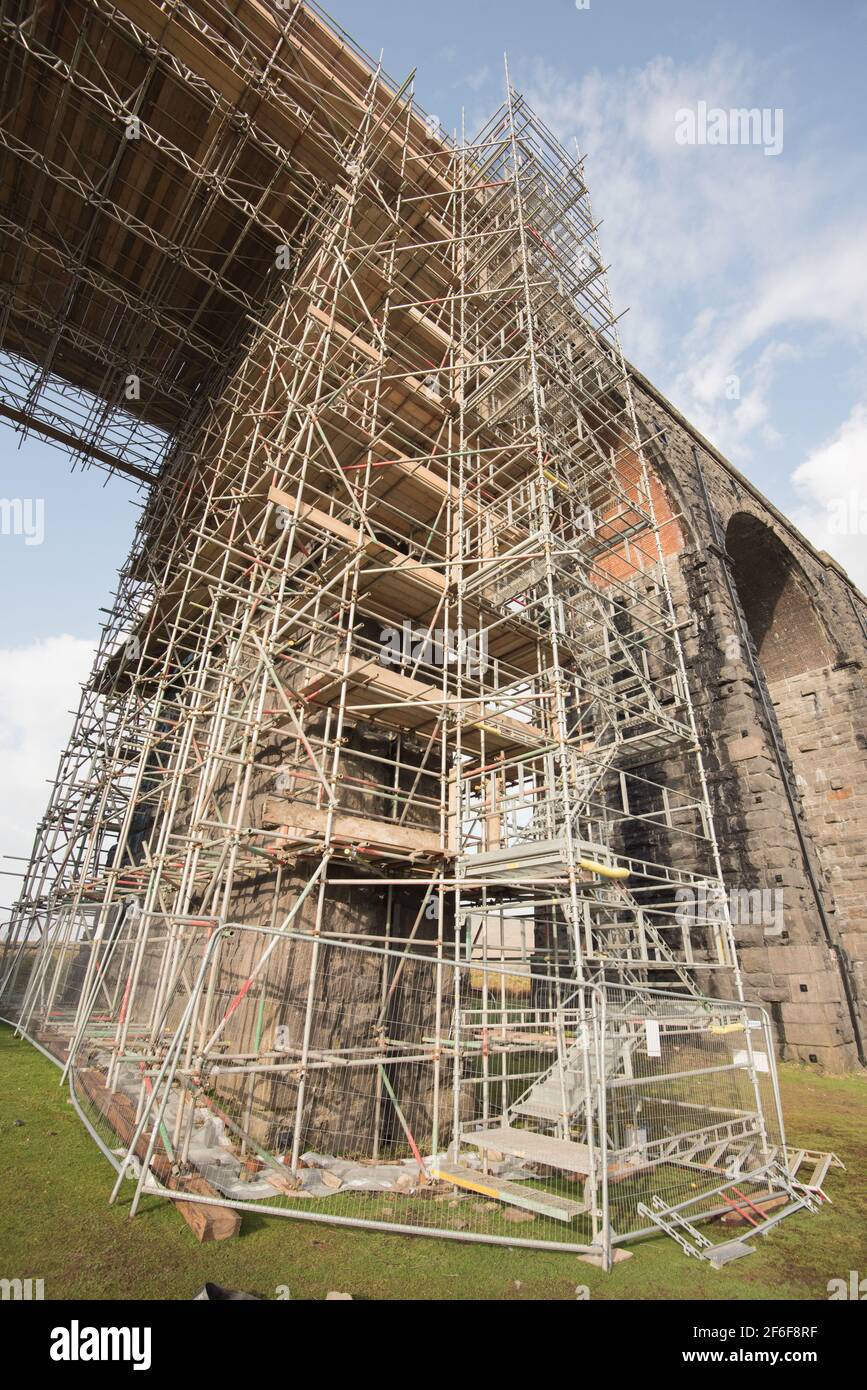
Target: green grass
(55,1224)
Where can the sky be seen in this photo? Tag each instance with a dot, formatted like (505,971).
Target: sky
(742,268)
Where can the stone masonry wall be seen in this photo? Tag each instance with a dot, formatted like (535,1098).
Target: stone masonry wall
(800,969)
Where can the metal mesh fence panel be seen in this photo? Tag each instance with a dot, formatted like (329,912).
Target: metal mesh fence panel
(328,1080)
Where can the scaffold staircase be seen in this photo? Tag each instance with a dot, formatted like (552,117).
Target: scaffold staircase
(693,1242)
(555,1101)
(559,1095)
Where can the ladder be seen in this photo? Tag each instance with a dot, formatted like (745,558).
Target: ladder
(821,1162)
(632,929)
(669,1219)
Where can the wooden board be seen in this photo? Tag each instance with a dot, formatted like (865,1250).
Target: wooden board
(205,1221)
(416,705)
(301,822)
(512,1193)
(394,586)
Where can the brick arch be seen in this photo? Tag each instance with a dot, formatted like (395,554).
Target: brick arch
(669,511)
(782,617)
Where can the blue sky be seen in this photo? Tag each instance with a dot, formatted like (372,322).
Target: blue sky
(731,263)
(734,265)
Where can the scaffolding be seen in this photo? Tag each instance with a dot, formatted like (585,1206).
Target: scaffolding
(382,843)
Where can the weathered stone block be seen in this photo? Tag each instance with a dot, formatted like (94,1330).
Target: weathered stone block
(742,748)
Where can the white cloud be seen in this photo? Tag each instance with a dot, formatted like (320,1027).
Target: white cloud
(821,287)
(476,80)
(38,687)
(832,485)
(678,219)
(724,257)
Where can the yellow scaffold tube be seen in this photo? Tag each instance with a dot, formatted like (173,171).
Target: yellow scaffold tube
(590,866)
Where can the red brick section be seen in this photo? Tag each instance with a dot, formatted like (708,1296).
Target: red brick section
(640,550)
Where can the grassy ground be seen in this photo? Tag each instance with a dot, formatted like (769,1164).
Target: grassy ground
(55,1224)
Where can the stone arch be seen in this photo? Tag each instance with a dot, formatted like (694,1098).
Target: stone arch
(812,691)
(819,715)
(784,624)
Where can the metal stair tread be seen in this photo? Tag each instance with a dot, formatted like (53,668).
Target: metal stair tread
(535,1148)
(719,1255)
(537,1111)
